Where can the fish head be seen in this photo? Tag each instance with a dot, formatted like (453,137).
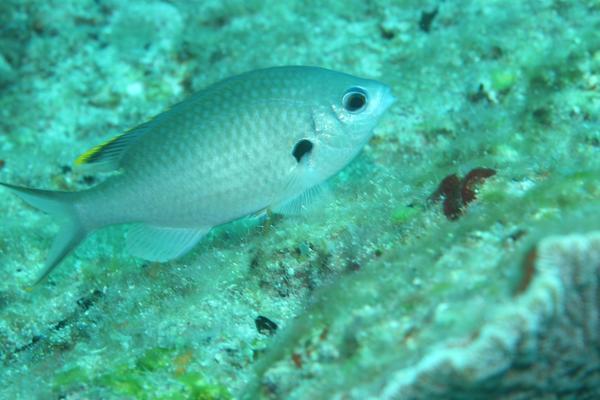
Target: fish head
(345,119)
(359,105)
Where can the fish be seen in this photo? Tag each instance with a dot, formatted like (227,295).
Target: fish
(262,140)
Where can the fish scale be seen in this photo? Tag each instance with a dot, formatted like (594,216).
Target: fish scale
(226,152)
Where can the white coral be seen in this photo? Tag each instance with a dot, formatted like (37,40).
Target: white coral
(546,341)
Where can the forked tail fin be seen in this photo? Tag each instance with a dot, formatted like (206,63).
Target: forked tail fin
(61,204)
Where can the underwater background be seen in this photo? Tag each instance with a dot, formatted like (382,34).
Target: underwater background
(458,257)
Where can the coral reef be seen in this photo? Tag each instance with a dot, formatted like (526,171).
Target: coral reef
(538,344)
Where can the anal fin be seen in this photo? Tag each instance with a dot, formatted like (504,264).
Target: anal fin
(156,243)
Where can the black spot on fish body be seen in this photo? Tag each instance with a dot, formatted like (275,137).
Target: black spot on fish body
(303,147)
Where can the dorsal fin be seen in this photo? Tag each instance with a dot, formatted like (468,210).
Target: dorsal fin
(107,156)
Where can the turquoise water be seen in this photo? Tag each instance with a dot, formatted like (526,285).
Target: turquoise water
(458,256)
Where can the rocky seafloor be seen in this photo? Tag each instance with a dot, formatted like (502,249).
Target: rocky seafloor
(458,257)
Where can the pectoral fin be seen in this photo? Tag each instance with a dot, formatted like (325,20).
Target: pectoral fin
(303,202)
(156,243)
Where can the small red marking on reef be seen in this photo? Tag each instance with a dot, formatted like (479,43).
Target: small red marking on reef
(410,333)
(475,177)
(457,193)
(182,362)
(2,164)
(467,341)
(297,359)
(528,271)
(449,189)
(445,187)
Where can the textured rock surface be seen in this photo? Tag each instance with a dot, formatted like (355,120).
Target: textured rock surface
(544,344)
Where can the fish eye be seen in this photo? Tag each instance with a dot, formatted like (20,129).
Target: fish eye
(354,100)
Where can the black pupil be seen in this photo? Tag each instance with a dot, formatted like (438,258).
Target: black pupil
(355,101)
(302,148)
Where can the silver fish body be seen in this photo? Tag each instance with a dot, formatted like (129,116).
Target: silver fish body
(246,144)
